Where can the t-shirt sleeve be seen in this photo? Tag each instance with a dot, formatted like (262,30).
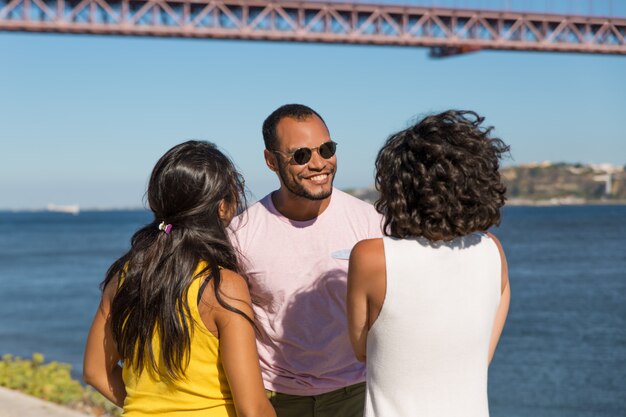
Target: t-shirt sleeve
(236,234)
(375,223)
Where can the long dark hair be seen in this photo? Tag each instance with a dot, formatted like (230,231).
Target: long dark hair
(186,188)
(440,178)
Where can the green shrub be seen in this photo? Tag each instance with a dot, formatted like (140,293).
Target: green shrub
(97,404)
(52,382)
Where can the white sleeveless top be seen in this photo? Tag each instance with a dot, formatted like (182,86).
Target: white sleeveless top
(427,353)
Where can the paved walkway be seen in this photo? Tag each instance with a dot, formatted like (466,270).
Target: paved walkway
(16,404)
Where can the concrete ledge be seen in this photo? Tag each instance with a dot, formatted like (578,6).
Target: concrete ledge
(16,404)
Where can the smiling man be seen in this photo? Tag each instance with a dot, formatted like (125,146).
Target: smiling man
(295,244)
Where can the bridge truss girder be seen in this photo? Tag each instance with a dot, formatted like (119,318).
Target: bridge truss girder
(445,31)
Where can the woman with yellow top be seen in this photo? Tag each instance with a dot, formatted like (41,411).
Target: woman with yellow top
(174,309)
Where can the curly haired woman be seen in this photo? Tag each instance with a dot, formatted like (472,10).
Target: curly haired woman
(427,303)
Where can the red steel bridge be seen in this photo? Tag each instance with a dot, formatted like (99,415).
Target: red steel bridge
(446,30)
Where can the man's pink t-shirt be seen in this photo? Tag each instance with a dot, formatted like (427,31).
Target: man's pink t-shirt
(297,273)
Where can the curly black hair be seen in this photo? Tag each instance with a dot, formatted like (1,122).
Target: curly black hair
(440,178)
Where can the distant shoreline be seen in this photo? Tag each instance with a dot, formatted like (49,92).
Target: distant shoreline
(82,210)
(516,202)
(513,202)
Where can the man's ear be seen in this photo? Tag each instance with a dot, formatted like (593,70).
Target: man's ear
(270,160)
(222,210)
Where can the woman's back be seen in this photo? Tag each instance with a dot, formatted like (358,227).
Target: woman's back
(427,352)
(188,348)
(203,392)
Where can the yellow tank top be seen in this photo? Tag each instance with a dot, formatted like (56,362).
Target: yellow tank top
(204,392)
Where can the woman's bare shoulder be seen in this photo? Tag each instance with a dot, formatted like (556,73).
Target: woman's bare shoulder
(233,285)
(368,251)
(367,259)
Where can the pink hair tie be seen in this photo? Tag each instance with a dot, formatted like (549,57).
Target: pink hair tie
(167,228)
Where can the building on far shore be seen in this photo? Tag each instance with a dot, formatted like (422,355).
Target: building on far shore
(550,183)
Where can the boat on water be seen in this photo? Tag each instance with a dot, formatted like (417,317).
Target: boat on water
(69,209)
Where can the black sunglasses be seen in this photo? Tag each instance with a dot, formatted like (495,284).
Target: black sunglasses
(302,156)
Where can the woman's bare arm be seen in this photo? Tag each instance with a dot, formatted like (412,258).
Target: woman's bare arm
(238,347)
(505,300)
(101,367)
(366,291)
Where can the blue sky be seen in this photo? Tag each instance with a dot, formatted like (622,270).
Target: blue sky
(84,118)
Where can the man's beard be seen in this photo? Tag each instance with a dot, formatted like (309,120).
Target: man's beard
(299,190)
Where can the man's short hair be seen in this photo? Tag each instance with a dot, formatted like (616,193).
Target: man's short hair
(294,111)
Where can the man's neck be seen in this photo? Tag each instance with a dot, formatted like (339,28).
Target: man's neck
(298,208)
